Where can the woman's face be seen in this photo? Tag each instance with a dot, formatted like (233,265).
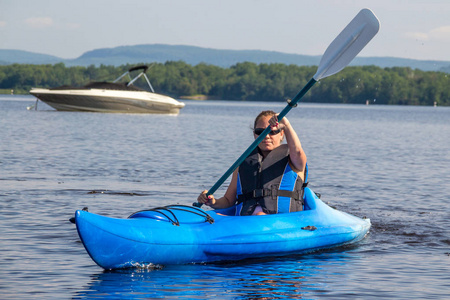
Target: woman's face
(270,142)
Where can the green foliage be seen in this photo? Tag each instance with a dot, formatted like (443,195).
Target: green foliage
(250,82)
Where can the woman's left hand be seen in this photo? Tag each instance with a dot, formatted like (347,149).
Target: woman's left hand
(274,124)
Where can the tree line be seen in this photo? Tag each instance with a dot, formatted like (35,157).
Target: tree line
(251,82)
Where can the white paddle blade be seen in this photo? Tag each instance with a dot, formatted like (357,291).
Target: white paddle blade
(348,44)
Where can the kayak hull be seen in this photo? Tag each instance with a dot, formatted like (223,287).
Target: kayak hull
(181,235)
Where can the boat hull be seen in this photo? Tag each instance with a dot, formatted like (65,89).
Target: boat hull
(108,101)
(151,238)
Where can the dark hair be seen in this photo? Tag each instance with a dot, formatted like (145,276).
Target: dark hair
(264,113)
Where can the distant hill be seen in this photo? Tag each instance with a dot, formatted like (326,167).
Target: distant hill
(8,57)
(189,54)
(195,55)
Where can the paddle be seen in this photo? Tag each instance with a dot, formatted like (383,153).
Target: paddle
(338,55)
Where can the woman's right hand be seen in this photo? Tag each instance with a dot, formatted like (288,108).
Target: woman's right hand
(203,198)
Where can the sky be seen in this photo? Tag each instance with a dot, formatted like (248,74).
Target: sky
(417,29)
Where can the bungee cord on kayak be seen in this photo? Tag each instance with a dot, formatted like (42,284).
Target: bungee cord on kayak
(170,209)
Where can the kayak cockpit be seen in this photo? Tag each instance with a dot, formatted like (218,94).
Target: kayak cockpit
(182,214)
(309,203)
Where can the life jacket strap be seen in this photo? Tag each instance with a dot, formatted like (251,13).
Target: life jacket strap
(258,193)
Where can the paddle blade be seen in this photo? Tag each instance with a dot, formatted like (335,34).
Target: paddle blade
(348,44)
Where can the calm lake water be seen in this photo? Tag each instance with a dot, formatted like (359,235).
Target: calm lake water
(389,163)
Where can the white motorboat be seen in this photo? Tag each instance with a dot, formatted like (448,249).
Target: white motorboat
(110,97)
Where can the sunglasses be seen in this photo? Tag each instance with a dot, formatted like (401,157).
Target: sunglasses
(258,131)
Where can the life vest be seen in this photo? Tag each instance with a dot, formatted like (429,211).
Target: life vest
(270,183)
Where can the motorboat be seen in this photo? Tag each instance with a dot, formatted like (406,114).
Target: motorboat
(110,97)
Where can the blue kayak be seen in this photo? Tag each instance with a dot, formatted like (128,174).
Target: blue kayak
(182,234)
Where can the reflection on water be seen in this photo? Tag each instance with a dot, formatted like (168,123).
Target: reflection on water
(290,278)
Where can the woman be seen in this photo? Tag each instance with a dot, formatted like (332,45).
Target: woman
(271,179)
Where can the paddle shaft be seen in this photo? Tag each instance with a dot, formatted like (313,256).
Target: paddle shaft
(258,140)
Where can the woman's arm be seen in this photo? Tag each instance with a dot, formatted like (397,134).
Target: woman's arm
(227,200)
(296,154)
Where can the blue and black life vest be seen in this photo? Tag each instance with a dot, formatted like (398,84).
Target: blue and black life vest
(270,183)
